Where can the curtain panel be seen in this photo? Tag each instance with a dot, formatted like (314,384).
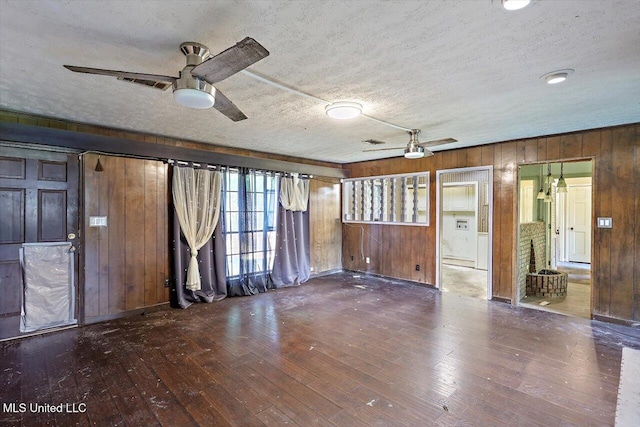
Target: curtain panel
(249,229)
(294,193)
(291,265)
(211,263)
(196,200)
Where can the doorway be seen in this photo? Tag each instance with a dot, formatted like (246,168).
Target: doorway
(554,237)
(38,235)
(463,231)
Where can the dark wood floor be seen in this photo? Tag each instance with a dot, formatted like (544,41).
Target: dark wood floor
(335,351)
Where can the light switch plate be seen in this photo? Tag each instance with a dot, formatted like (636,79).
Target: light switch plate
(97,221)
(605,222)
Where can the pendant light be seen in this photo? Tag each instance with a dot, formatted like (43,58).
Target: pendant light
(562,184)
(547,197)
(541,194)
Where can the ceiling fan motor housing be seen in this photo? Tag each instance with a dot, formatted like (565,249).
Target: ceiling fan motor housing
(191,91)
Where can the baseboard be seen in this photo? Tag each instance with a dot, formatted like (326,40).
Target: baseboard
(382,276)
(615,320)
(501,299)
(326,272)
(137,311)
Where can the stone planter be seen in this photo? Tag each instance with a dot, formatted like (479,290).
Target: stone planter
(547,283)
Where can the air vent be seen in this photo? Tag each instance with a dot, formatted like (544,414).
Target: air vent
(152,83)
(373,141)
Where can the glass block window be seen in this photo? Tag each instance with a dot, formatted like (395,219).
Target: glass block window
(390,199)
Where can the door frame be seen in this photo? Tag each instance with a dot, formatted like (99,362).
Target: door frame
(439,186)
(44,152)
(515,291)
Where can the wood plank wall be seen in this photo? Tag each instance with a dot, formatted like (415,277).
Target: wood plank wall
(325,224)
(127,262)
(395,250)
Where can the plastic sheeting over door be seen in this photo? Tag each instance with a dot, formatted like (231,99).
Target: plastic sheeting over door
(48,297)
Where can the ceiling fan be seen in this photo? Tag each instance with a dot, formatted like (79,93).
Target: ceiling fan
(194,88)
(415,149)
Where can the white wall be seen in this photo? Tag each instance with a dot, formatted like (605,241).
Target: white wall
(459,206)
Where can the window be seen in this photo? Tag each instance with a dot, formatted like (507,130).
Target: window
(250,210)
(389,199)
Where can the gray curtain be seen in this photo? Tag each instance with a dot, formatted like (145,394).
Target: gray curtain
(211,261)
(291,265)
(250,264)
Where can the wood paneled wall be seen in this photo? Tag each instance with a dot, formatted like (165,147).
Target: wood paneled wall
(127,262)
(325,224)
(395,250)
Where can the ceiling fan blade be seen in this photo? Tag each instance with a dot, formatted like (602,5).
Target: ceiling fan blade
(230,61)
(152,80)
(384,149)
(228,108)
(436,142)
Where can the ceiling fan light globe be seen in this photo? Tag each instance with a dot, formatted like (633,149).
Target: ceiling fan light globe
(194,98)
(343,110)
(414,152)
(515,4)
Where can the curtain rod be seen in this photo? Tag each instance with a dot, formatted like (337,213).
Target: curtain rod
(208,166)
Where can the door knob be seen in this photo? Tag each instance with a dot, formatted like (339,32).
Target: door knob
(71,236)
(571,228)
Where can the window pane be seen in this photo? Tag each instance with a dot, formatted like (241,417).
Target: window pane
(259,201)
(233,244)
(232,181)
(259,184)
(233,265)
(232,201)
(258,243)
(258,221)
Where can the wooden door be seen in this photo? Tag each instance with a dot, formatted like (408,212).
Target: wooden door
(38,203)
(579,223)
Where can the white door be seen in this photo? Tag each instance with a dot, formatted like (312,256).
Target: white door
(579,223)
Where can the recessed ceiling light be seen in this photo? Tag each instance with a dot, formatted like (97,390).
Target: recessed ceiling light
(343,110)
(556,77)
(515,4)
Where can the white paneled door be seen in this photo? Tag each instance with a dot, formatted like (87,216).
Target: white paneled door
(579,223)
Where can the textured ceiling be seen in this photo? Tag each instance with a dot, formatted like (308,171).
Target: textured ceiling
(468,69)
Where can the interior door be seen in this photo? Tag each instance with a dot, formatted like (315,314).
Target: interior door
(38,203)
(579,223)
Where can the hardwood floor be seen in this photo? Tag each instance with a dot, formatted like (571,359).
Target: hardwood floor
(337,350)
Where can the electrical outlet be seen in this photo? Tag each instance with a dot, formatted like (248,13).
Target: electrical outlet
(417,267)
(351,257)
(368,260)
